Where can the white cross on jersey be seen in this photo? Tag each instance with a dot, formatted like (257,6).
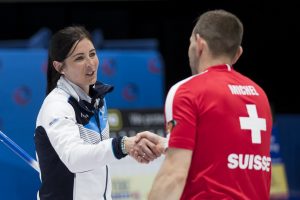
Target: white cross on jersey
(253,123)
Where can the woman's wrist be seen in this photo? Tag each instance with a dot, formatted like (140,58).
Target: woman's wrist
(123,145)
(117,147)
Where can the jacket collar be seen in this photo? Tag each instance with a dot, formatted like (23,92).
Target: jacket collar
(97,91)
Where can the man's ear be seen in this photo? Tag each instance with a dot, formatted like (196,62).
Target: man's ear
(200,44)
(58,66)
(237,55)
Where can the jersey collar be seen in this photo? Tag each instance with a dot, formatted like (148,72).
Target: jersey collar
(222,67)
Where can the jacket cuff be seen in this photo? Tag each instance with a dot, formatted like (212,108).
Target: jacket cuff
(117,147)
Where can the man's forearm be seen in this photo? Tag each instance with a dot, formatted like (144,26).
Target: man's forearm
(170,180)
(171,190)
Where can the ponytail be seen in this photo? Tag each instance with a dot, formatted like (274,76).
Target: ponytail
(52,76)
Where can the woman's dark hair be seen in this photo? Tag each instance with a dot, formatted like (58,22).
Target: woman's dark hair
(59,49)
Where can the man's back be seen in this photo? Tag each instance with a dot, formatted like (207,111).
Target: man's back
(226,121)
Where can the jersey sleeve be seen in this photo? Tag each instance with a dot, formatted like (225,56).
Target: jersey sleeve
(181,120)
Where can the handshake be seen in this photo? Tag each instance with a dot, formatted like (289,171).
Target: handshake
(145,146)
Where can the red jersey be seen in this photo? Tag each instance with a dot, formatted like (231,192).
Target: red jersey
(225,119)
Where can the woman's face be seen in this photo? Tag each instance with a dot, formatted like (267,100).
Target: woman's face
(81,66)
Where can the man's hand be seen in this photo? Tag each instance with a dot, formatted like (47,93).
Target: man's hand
(148,145)
(144,148)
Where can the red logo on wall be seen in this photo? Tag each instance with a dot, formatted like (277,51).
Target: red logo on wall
(22,95)
(153,66)
(130,92)
(44,67)
(108,67)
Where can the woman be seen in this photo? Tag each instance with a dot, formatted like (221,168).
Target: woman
(72,133)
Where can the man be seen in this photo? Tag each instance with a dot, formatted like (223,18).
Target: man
(219,122)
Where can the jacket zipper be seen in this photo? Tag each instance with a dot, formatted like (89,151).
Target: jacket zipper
(99,127)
